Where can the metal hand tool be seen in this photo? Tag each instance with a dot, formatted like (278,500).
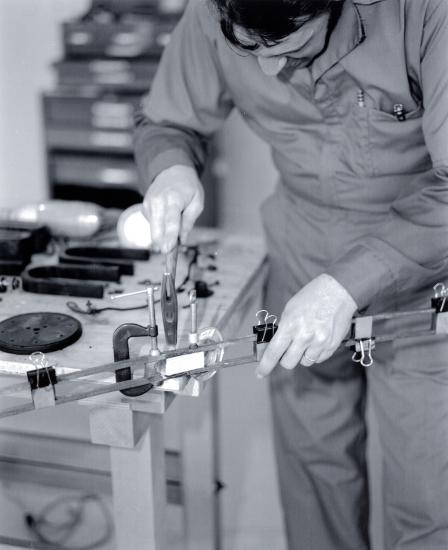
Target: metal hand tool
(69,280)
(168,298)
(153,330)
(123,258)
(193,336)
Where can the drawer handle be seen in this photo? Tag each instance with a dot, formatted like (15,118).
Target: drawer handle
(111,139)
(80,38)
(117,176)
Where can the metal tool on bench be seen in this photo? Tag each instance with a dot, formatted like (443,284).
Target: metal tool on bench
(168,298)
(125,332)
(152,371)
(69,280)
(122,258)
(193,335)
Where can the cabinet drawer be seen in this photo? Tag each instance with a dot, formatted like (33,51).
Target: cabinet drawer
(101,124)
(107,74)
(173,7)
(78,139)
(132,36)
(105,112)
(93,171)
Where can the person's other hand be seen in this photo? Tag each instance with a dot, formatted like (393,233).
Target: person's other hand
(312,326)
(172,204)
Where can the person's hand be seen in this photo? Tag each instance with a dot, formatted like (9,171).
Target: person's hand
(312,326)
(172,204)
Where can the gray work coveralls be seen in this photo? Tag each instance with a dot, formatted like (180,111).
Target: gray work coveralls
(363,197)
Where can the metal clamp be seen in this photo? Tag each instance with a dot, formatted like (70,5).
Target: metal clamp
(42,381)
(364,341)
(439,302)
(363,352)
(125,332)
(193,335)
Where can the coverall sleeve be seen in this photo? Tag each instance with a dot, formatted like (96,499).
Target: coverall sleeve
(410,250)
(187,101)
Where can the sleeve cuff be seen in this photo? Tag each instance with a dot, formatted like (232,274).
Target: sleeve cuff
(363,273)
(161,162)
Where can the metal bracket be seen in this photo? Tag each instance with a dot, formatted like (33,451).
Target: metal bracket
(441,323)
(42,381)
(364,341)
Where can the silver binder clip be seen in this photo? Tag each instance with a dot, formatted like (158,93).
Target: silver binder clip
(364,341)
(262,320)
(274,322)
(363,353)
(441,291)
(441,316)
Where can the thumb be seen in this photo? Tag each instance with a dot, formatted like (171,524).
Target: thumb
(190,215)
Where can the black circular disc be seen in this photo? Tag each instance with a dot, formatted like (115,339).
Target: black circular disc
(41,331)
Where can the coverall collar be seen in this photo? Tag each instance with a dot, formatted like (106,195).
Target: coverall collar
(348,33)
(367,2)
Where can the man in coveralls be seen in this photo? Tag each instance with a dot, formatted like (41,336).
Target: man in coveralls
(352,96)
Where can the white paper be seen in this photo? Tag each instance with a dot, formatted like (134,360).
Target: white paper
(185,363)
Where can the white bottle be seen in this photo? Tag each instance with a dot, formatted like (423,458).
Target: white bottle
(74,219)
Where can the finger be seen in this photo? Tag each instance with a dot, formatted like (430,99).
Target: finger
(294,353)
(147,215)
(328,351)
(190,215)
(310,357)
(273,353)
(155,213)
(171,228)
(313,352)
(332,345)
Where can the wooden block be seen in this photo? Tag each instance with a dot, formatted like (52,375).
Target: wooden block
(139,488)
(117,426)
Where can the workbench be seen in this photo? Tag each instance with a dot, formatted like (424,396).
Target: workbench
(133,428)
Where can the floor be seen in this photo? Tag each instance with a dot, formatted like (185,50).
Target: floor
(250,504)
(251,517)
(18,499)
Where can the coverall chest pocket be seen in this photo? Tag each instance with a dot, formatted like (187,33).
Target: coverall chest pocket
(393,145)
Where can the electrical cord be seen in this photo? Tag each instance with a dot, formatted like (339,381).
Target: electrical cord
(91,309)
(55,534)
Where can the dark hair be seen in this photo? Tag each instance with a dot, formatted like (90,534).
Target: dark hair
(268,21)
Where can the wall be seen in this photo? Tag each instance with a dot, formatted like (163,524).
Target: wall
(29,42)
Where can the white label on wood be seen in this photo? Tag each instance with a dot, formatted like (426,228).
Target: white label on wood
(185,363)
